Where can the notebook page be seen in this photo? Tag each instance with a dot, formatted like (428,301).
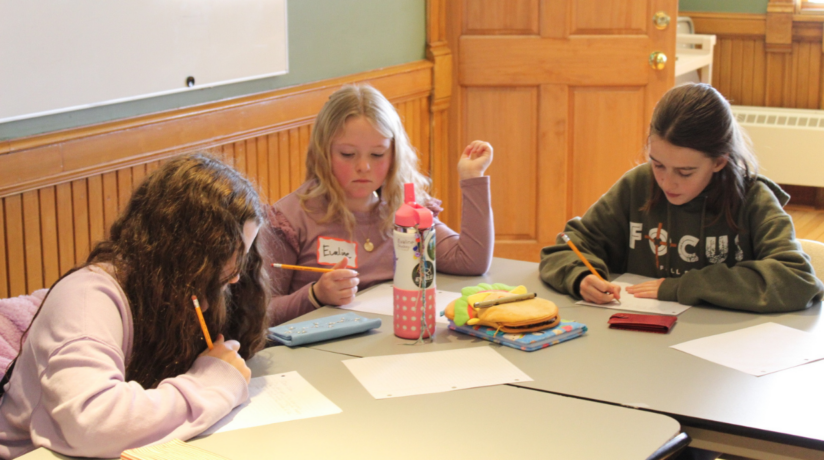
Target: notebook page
(434,372)
(631,303)
(276,398)
(758,350)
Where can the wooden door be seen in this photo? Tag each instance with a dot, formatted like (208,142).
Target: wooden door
(564,91)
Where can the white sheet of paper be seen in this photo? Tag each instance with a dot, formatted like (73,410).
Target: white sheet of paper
(274,399)
(434,372)
(379,300)
(631,303)
(758,350)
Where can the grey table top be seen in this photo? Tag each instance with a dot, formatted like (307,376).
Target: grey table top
(639,369)
(482,422)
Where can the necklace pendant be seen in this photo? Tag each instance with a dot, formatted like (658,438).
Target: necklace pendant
(368,245)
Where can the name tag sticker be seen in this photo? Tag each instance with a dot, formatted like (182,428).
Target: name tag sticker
(333,250)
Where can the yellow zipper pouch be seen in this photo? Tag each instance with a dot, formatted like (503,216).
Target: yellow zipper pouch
(529,315)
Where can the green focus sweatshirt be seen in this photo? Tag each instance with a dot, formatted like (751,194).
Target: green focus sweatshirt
(759,268)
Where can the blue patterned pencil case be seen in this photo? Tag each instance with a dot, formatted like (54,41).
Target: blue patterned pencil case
(316,330)
(527,341)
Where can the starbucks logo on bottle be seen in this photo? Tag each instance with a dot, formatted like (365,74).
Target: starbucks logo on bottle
(430,246)
(429,274)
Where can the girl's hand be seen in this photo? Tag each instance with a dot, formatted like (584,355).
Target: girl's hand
(646,290)
(337,287)
(596,290)
(227,351)
(476,157)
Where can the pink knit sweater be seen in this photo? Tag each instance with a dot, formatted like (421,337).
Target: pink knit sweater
(295,241)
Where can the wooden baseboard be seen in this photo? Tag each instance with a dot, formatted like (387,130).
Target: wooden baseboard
(805,196)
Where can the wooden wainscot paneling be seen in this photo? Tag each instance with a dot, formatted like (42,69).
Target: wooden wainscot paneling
(60,192)
(771,60)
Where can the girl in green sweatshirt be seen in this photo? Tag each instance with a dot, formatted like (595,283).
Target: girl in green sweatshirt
(696,216)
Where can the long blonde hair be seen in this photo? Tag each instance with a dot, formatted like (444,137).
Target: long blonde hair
(361,101)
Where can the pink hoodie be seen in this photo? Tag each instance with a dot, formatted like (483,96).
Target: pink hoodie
(68,391)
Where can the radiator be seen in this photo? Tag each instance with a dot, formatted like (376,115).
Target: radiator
(789,143)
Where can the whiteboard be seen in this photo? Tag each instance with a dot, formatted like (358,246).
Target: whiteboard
(63,55)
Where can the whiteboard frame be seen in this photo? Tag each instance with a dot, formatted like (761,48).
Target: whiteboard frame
(285,40)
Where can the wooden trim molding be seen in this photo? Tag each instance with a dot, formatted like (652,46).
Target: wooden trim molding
(34,162)
(749,25)
(780,26)
(61,192)
(439,53)
(726,24)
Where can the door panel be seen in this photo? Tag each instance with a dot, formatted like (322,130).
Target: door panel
(564,93)
(599,131)
(531,60)
(501,17)
(514,188)
(610,17)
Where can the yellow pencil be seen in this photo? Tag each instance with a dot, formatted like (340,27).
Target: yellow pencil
(203,323)
(299,267)
(584,260)
(581,256)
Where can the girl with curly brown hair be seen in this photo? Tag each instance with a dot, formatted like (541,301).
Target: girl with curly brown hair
(115,357)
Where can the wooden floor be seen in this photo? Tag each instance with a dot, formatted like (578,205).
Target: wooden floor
(809,222)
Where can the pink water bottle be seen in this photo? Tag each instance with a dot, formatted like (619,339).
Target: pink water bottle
(414,286)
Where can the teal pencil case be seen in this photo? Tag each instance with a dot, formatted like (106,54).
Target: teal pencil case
(526,341)
(317,330)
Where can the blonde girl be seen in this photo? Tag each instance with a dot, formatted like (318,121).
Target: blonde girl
(358,159)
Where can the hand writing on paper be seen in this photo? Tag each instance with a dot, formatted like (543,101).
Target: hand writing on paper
(476,157)
(646,290)
(337,287)
(228,351)
(596,290)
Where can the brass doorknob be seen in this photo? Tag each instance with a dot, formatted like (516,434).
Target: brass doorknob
(661,20)
(658,60)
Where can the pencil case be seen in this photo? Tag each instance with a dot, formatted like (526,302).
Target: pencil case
(526,341)
(317,330)
(645,323)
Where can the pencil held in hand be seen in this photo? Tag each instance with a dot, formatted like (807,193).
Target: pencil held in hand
(299,267)
(586,262)
(581,256)
(203,323)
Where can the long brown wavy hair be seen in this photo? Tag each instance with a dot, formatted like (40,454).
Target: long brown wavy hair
(697,116)
(181,228)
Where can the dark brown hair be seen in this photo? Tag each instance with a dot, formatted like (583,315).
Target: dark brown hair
(180,229)
(696,116)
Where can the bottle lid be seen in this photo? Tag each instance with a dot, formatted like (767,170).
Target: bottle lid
(411,214)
